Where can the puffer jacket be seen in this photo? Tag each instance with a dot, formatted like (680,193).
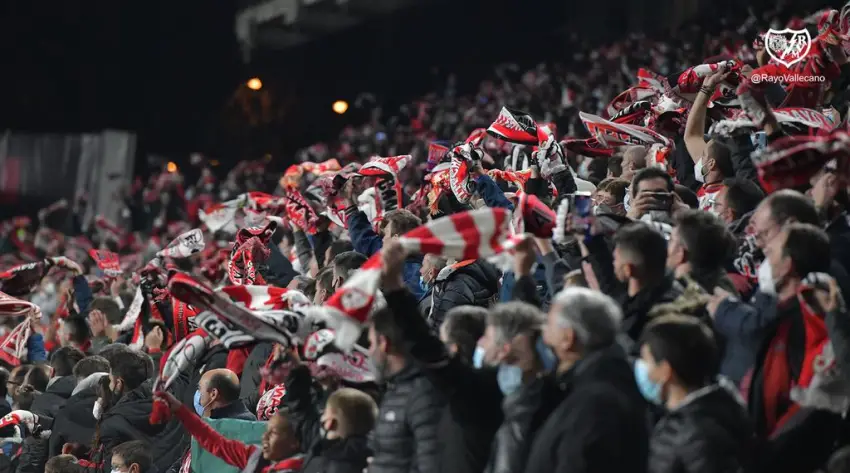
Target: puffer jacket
(404,439)
(470,282)
(710,433)
(525,411)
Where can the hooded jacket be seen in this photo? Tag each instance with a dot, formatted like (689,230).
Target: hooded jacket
(470,282)
(74,423)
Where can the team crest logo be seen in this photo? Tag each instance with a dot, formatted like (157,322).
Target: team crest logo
(787,47)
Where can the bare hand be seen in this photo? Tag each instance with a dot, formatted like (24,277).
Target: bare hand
(154,338)
(825,190)
(524,257)
(717,77)
(392,260)
(67,264)
(716,299)
(97,323)
(830,300)
(678,204)
(168,399)
(640,205)
(115,286)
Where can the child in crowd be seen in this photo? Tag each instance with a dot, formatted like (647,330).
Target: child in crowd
(348,417)
(278,452)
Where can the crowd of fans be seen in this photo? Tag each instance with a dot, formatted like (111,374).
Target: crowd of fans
(636,260)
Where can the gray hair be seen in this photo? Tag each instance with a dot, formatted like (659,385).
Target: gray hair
(510,319)
(438,261)
(594,317)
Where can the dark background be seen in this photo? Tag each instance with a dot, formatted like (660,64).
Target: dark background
(172,70)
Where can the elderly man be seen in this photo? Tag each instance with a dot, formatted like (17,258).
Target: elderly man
(600,424)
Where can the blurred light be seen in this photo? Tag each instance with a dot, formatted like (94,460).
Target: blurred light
(172,167)
(340,106)
(267,158)
(255,84)
(214,162)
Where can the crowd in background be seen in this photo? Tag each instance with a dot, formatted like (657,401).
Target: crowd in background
(634,259)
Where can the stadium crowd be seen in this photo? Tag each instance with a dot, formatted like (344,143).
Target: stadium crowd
(636,260)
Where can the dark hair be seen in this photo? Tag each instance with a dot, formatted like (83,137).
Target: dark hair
(808,248)
(345,263)
(19,374)
(688,196)
(38,378)
(310,288)
(464,325)
(63,464)
(325,278)
(646,174)
(64,359)
(227,388)
(721,153)
(78,329)
(301,282)
(132,366)
(403,221)
(110,351)
(383,321)
(283,233)
(705,237)
(615,166)
(134,451)
(646,248)
(90,365)
(598,169)
(24,397)
(742,195)
(109,307)
(616,187)
(786,205)
(687,344)
(339,247)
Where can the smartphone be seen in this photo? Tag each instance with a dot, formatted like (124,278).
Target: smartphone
(661,201)
(581,211)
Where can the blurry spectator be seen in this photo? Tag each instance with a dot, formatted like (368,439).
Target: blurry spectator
(699,248)
(736,201)
(651,192)
(324,285)
(634,159)
(218,396)
(89,366)
(348,418)
(62,384)
(63,464)
(469,282)
(431,267)
(344,265)
(132,457)
(610,195)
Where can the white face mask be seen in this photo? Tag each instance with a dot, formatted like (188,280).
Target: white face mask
(97,410)
(765,274)
(698,172)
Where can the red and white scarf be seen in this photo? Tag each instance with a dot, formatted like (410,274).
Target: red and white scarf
(14,345)
(107,261)
(466,235)
(791,161)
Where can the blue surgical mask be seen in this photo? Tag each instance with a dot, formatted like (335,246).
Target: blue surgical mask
(509,378)
(478,357)
(650,390)
(199,408)
(424,285)
(547,356)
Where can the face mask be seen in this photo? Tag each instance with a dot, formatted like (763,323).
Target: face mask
(650,390)
(116,471)
(698,172)
(478,357)
(423,284)
(547,356)
(509,378)
(765,274)
(199,408)
(97,410)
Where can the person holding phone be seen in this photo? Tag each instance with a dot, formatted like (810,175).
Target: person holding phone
(652,194)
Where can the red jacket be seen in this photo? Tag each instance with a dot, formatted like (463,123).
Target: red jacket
(247,458)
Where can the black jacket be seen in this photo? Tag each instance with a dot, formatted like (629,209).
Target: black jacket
(249,383)
(600,426)
(525,411)
(74,423)
(710,433)
(337,456)
(234,410)
(475,283)
(405,436)
(54,397)
(473,411)
(34,451)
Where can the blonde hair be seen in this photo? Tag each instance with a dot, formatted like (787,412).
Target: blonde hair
(356,411)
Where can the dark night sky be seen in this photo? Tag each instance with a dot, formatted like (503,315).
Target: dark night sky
(166,69)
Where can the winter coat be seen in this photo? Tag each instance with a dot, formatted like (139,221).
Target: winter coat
(249,383)
(346,455)
(709,432)
(525,411)
(34,452)
(405,436)
(742,327)
(472,413)
(470,282)
(600,426)
(74,423)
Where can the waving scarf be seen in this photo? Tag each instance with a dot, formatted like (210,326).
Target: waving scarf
(791,161)
(467,235)
(249,250)
(107,261)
